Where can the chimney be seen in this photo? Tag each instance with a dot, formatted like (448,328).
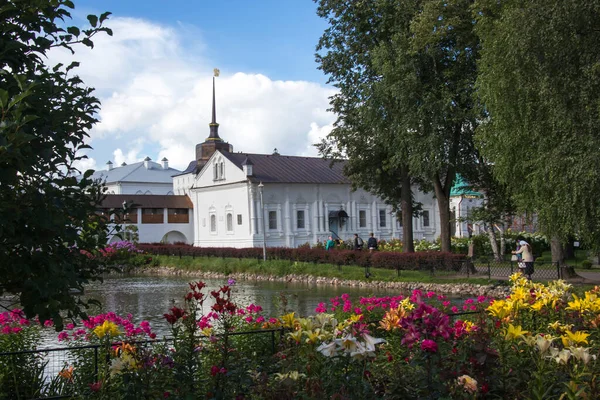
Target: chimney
(165,163)
(109,166)
(124,164)
(147,162)
(247,167)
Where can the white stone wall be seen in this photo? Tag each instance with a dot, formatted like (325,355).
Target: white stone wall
(285,200)
(461,207)
(183,183)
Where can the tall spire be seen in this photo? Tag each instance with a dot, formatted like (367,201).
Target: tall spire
(214,126)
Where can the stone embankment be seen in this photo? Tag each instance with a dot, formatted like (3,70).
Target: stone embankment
(453,289)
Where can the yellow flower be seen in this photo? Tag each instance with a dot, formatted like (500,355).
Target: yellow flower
(513,332)
(499,309)
(306,324)
(354,318)
(293,375)
(573,338)
(289,320)
(107,328)
(296,335)
(537,306)
(207,332)
(313,336)
(407,305)
(469,384)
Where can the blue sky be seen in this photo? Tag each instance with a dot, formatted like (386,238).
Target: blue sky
(275,38)
(153,77)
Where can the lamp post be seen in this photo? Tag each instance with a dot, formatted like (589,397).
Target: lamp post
(262,207)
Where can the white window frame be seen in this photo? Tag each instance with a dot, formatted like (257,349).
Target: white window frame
(269,220)
(428,225)
(360,221)
(382,222)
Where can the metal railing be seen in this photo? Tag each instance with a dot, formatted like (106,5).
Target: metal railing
(55,361)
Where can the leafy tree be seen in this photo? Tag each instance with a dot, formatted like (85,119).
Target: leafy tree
(48,216)
(364,131)
(540,82)
(406,73)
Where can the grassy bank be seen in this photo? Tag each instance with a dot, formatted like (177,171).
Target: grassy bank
(283,267)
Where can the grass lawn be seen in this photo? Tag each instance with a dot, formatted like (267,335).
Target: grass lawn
(284,267)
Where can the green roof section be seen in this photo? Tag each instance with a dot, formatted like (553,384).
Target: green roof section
(462,188)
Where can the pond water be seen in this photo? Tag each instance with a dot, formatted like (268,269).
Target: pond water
(148,298)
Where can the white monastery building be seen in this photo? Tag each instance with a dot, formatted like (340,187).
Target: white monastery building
(227,199)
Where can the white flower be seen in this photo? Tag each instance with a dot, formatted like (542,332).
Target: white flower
(328,349)
(561,357)
(370,341)
(583,354)
(348,343)
(543,343)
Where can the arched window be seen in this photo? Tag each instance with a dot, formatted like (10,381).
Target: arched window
(215,171)
(229,222)
(213,223)
(222,170)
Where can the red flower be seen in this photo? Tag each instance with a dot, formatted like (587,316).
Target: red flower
(214,370)
(485,388)
(95,387)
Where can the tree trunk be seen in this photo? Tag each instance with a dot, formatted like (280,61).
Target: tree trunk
(493,242)
(443,199)
(502,229)
(558,254)
(406,205)
(570,249)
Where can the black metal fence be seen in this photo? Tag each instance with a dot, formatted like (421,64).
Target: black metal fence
(493,269)
(37,374)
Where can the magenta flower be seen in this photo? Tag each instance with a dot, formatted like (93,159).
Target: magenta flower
(429,346)
(321,308)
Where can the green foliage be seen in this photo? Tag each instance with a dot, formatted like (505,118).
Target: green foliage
(46,113)
(405,73)
(539,79)
(586,264)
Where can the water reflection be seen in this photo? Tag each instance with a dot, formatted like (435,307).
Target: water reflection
(148,298)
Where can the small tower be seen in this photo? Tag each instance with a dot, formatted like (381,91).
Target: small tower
(213,142)
(109,165)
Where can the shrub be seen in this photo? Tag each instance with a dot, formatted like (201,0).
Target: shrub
(586,264)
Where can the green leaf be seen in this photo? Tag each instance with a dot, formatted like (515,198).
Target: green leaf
(3,98)
(17,99)
(93,20)
(73,30)
(104,16)
(88,42)
(74,64)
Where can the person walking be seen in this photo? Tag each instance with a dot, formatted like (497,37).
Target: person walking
(358,242)
(330,244)
(372,243)
(527,257)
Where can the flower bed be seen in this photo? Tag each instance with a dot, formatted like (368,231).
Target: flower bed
(539,342)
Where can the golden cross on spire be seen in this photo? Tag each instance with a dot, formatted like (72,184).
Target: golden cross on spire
(216,72)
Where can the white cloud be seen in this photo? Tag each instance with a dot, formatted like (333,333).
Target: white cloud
(152,89)
(85,164)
